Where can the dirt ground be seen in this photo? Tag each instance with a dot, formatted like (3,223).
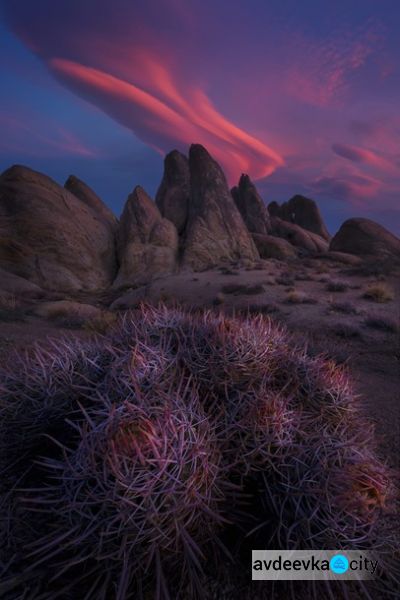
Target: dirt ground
(299,295)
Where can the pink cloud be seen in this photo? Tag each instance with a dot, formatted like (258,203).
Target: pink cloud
(363,155)
(164,115)
(353,189)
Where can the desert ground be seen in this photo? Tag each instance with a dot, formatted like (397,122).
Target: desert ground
(321,299)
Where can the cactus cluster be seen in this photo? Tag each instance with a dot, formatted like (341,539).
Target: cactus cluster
(172,439)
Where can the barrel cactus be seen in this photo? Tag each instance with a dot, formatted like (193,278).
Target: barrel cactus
(175,439)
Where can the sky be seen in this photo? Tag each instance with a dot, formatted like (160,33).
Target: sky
(302,96)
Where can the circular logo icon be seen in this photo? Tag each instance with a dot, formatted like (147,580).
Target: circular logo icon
(339,564)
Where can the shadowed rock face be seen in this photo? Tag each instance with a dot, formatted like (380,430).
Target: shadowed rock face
(51,237)
(301,211)
(366,238)
(173,194)
(273,209)
(297,236)
(270,246)
(215,233)
(147,243)
(251,206)
(84,193)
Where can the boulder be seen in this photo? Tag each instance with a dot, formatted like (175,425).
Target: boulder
(67,309)
(297,236)
(50,237)
(172,197)
(18,286)
(215,233)
(130,299)
(251,206)
(273,247)
(147,244)
(341,257)
(82,191)
(367,239)
(301,211)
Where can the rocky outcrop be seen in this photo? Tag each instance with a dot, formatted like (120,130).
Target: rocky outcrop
(251,206)
(50,237)
(67,309)
(84,193)
(303,212)
(215,232)
(366,238)
(273,247)
(19,286)
(173,194)
(297,236)
(147,244)
(341,257)
(273,209)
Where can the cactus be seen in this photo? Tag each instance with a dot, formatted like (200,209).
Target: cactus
(169,433)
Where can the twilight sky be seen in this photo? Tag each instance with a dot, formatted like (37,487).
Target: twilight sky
(302,96)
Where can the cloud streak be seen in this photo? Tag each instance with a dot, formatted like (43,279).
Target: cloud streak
(170,117)
(36,138)
(365,156)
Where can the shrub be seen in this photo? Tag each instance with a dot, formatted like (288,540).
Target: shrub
(284,280)
(242,289)
(303,276)
(264,309)
(379,292)
(382,323)
(299,297)
(347,331)
(347,308)
(337,286)
(155,446)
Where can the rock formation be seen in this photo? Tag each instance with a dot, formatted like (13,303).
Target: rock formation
(173,194)
(51,237)
(251,206)
(147,244)
(84,193)
(273,247)
(215,232)
(19,286)
(66,240)
(366,238)
(297,236)
(301,211)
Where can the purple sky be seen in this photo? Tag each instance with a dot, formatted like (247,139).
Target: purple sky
(303,96)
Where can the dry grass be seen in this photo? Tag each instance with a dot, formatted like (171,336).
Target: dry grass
(379,292)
